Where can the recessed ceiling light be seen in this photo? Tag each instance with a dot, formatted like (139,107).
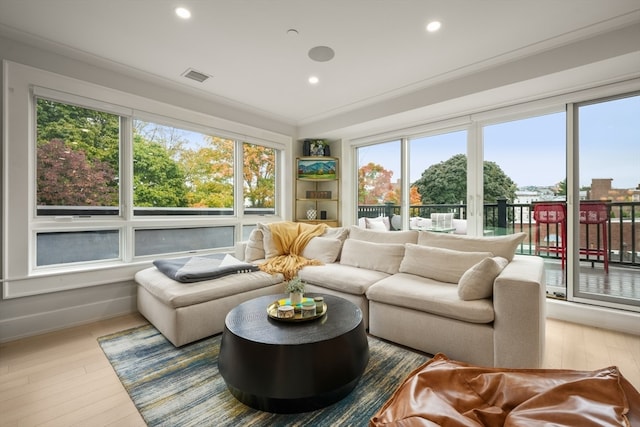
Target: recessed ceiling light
(314,80)
(183,12)
(433,26)
(292,32)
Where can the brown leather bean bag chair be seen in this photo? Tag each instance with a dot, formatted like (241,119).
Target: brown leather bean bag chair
(443,392)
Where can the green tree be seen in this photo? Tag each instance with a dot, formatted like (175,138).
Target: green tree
(96,133)
(446,182)
(562,188)
(158,180)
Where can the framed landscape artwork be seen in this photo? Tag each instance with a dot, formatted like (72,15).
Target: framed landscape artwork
(317,169)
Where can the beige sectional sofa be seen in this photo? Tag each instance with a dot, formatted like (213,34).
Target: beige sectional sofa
(469,298)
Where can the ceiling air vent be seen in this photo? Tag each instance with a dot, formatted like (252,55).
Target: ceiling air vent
(195,75)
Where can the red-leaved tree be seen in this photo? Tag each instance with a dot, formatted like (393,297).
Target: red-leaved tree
(67,178)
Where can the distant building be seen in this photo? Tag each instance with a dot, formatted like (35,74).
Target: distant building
(601,190)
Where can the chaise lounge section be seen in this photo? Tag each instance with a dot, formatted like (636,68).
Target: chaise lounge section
(187,312)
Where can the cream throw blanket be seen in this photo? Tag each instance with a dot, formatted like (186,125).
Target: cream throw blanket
(290,238)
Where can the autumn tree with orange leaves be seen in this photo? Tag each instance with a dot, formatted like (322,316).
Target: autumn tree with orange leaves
(375,187)
(258,173)
(374,184)
(209,173)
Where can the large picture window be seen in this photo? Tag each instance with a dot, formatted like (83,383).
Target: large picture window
(99,179)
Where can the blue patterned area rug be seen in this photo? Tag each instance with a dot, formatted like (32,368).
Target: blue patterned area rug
(182,386)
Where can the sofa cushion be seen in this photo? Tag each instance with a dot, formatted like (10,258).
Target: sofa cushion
(384,257)
(340,233)
(323,249)
(270,248)
(445,265)
(341,277)
(255,246)
(380,223)
(431,296)
(176,294)
(357,233)
(477,282)
(503,246)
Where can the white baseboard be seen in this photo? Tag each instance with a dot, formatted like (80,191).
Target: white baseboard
(49,321)
(598,317)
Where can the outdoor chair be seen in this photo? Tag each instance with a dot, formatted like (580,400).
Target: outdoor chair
(596,213)
(549,214)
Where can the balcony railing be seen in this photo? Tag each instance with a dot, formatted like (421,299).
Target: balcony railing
(502,218)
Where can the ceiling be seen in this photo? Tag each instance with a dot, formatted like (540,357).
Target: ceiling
(382,49)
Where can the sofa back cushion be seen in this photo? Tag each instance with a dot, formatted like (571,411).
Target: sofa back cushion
(477,282)
(255,246)
(503,246)
(444,265)
(374,236)
(323,249)
(380,223)
(384,257)
(340,233)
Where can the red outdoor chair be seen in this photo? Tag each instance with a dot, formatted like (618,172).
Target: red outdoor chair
(596,213)
(551,213)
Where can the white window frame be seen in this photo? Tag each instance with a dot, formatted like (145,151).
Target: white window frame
(20,224)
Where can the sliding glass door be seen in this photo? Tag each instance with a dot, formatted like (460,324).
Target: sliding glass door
(524,165)
(606,224)
(567,175)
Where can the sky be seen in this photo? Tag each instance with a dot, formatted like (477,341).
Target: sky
(532,151)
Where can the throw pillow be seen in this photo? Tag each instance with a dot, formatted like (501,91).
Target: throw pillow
(380,223)
(340,233)
(323,249)
(255,246)
(375,236)
(477,282)
(444,265)
(384,257)
(504,246)
(270,249)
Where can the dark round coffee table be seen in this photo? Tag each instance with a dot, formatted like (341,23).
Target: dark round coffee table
(286,367)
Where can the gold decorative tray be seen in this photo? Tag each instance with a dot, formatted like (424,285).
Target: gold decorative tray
(272,311)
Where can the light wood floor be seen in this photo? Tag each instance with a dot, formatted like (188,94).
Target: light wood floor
(64,379)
